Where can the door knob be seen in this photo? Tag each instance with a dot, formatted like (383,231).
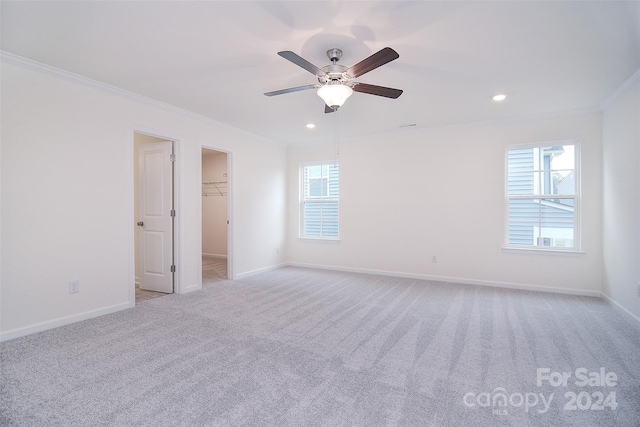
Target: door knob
(140,223)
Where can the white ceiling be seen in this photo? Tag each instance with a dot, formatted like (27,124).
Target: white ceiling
(217,58)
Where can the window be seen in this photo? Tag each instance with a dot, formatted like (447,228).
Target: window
(542,196)
(320,195)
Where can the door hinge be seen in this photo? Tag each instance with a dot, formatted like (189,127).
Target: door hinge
(173,268)
(172,157)
(173,212)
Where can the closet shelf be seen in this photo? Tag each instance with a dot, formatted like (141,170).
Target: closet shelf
(214,188)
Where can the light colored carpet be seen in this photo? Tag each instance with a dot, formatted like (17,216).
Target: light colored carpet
(301,347)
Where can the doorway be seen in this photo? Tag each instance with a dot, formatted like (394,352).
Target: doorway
(216,261)
(154,215)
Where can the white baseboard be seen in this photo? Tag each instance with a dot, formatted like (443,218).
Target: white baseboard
(40,327)
(221,256)
(617,305)
(260,270)
(55,323)
(537,288)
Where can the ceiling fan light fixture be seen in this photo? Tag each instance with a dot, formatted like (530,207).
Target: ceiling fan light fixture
(334,95)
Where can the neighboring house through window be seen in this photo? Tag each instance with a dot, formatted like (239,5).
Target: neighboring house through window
(320,200)
(543,196)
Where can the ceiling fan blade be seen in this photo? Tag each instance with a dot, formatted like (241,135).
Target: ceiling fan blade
(374,61)
(387,92)
(328,109)
(291,89)
(301,62)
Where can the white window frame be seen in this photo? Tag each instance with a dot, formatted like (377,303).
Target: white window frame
(577,244)
(301,234)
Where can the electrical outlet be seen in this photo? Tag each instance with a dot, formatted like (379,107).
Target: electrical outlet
(74,286)
(434,259)
(277,250)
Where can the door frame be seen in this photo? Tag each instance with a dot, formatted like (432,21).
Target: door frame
(179,205)
(230,194)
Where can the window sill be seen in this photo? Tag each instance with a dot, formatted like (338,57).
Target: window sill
(560,252)
(321,239)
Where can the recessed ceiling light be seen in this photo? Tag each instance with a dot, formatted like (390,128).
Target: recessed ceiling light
(310,125)
(499,97)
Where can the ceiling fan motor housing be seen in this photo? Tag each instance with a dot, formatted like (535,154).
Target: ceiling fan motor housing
(334,73)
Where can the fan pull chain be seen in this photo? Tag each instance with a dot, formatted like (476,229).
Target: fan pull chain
(337,136)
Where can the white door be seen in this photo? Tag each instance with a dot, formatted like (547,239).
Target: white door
(155,225)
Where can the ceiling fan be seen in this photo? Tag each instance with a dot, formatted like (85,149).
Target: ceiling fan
(336,82)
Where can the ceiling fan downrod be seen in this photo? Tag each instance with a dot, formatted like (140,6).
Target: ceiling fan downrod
(334,55)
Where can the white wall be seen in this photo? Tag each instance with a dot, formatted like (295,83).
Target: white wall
(67,207)
(409,195)
(214,206)
(621,200)
(67,197)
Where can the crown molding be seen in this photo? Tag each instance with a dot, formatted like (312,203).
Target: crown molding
(620,91)
(462,125)
(23,62)
(20,61)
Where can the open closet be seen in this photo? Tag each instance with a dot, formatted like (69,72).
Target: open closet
(215,187)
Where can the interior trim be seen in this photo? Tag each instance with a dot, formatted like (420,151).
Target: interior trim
(461,280)
(62,321)
(47,69)
(27,63)
(621,90)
